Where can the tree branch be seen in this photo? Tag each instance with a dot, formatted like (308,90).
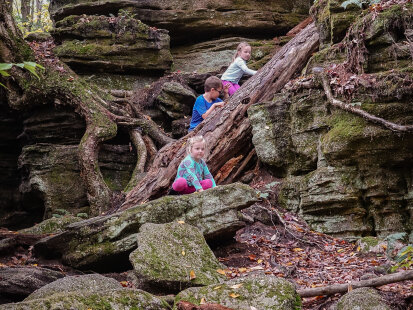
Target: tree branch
(343,288)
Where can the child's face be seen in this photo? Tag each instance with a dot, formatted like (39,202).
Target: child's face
(214,94)
(245,53)
(198,150)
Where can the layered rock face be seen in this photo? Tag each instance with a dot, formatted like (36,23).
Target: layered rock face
(41,171)
(112,44)
(345,175)
(189,21)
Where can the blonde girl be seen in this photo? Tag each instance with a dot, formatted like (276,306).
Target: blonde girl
(237,68)
(193,174)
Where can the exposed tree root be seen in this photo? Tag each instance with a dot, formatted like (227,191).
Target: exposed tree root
(343,288)
(349,108)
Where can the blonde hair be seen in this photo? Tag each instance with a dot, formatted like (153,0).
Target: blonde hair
(239,49)
(192,141)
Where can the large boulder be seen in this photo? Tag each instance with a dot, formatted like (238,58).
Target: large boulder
(16,283)
(88,292)
(262,292)
(197,20)
(98,242)
(362,298)
(174,256)
(345,175)
(112,44)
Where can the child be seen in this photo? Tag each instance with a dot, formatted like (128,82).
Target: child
(208,102)
(237,68)
(193,174)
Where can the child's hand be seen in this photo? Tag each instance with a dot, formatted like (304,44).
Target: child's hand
(219,104)
(226,88)
(200,190)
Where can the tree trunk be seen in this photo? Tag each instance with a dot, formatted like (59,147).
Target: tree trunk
(25,10)
(228,131)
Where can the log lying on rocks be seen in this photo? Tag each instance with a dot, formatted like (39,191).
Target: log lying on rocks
(343,288)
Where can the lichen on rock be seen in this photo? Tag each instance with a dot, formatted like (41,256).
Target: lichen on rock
(174,256)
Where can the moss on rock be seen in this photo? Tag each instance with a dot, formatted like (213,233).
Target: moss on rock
(168,254)
(263,292)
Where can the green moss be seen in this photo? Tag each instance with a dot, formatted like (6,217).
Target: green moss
(343,127)
(370,241)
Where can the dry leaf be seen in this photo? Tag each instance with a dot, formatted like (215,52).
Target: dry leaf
(242,269)
(202,302)
(221,271)
(259,261)
(236,286)
(257,268)
(217,287)
(181,222)
(233,295)
(192,275)
(183,252)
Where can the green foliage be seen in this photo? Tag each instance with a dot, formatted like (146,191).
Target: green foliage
(404,259)
(39,21)
(359,3)
(28,65)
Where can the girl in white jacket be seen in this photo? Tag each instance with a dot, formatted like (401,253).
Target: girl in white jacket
(237,68)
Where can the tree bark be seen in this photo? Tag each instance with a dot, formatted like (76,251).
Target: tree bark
(227,130)
(343,288)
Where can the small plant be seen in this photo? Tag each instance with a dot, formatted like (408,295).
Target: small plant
(28,65)
(404,259)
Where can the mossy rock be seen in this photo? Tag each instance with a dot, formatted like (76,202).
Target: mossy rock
(363,299)
(112,44)
(85,283)
(263,292)
(98,242)
(98,300)
(53,225)
(174,256)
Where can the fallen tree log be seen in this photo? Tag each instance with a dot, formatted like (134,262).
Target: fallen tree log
(343,288)
(227,130)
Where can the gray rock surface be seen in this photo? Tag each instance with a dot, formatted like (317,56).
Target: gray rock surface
(87,292)
(197,20)
(362,299)
(174,256)
(17,283)
(263,292)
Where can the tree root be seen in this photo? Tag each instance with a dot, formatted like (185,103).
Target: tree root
(343,288)
(349,108)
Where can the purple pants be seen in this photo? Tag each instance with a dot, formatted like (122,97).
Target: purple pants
(232,89)
(181,186)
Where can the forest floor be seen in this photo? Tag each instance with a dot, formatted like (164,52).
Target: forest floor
(288,248)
